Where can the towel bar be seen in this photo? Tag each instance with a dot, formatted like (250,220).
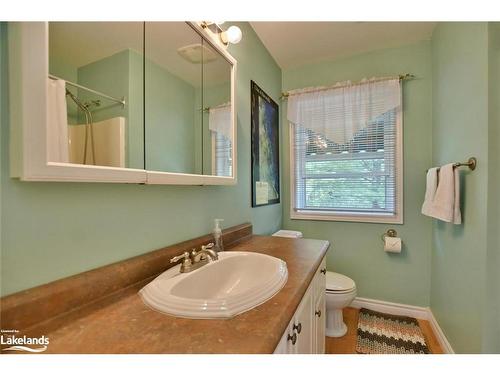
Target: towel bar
(471,163)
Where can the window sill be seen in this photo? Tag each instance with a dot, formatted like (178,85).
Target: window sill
(358,218)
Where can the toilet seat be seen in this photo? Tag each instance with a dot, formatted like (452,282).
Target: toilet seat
(337,283)
(340,292)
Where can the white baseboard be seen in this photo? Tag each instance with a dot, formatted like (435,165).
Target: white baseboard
(416,312)
(443,341)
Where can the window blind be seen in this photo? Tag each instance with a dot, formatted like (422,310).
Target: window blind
(223,164)
(358,177)
(219,123)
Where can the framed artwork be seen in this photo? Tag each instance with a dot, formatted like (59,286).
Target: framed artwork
(265,148)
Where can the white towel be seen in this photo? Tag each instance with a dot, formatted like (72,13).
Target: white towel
(57,128)
(445,203)
(430,191)
(219,120)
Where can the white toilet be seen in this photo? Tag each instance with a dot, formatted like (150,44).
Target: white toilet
(340,292)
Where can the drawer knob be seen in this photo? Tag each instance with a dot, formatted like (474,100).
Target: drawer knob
(323,271)
(298,327)
(317,313)
(292,338)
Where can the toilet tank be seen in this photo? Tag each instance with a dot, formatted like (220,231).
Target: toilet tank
(288,233)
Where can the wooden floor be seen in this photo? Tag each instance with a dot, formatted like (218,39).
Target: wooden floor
(347,343)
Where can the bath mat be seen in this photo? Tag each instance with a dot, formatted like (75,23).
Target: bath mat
(380,333)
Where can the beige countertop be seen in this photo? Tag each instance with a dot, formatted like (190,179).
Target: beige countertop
(121,323)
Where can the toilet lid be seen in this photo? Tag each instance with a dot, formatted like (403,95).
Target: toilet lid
(338,282)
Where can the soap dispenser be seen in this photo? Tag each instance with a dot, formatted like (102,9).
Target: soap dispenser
(218,245)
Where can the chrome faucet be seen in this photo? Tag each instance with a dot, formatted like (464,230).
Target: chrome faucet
(202,254)
(195,259)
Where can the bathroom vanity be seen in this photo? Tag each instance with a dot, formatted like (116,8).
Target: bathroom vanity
(100,311)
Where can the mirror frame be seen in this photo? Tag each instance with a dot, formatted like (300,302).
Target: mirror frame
(28,74)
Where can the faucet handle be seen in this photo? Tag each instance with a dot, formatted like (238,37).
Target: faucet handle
(186,261)
(208,246)
(184,256)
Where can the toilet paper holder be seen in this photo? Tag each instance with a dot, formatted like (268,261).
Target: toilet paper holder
(389,233)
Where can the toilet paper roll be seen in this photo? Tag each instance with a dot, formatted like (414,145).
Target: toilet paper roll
(392,244)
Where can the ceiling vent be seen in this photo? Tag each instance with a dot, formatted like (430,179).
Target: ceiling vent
(196,53)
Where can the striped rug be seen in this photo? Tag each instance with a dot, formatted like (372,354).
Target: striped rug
(380,333)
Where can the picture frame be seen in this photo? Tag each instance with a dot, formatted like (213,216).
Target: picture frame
(264,148)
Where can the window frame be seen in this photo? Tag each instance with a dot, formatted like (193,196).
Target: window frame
(332,215)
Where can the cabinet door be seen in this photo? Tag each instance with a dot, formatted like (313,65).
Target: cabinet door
(319,325)
(304,323)
(320,280)
(285,346)
(306,332)
(287,342)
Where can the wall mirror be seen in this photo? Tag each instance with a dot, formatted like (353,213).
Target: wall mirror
(95,93)
(188,122)
(147,102)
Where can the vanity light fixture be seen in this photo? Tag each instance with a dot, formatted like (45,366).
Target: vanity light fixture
(232,35)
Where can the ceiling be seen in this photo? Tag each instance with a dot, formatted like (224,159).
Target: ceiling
(294,44)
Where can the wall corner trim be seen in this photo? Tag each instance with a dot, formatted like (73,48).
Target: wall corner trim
(416,312)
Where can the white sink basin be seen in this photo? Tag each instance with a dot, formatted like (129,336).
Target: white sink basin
(237,282)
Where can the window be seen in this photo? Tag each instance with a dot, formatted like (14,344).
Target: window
(356,180)
(219,123)
(222,164)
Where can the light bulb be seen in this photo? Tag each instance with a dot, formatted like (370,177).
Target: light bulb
(233,34)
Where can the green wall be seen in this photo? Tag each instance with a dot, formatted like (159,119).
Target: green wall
(112,75)
(463,257)
(356,248)
(171,106)
(491,341)
(109,75)
(52,230)
(135,111)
